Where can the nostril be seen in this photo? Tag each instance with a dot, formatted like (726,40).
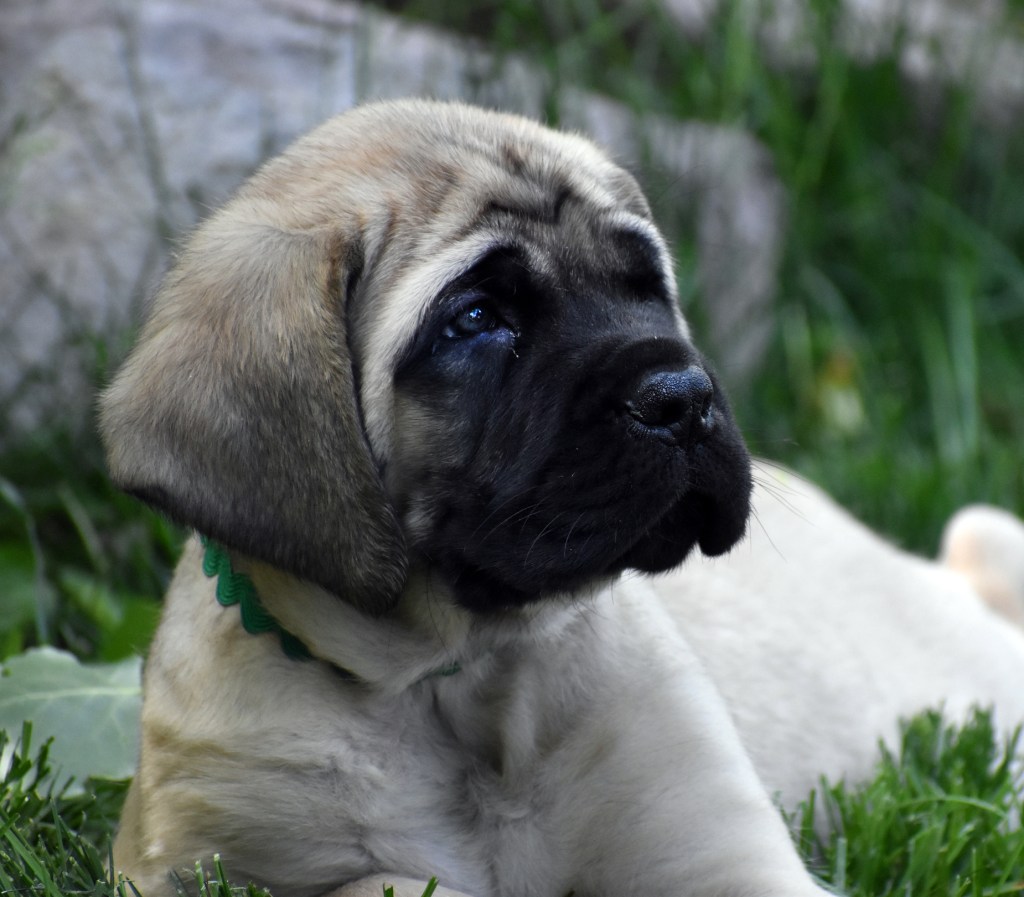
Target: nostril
(677,401)
(705,408)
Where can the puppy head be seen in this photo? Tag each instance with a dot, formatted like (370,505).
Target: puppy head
(431,332)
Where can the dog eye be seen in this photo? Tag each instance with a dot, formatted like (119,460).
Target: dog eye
(470,321)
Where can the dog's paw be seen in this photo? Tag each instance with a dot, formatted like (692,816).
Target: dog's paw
(986,545)
(379,885)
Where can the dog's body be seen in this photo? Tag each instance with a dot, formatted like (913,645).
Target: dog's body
(425,378)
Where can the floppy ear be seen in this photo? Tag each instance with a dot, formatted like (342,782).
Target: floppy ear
(236,413)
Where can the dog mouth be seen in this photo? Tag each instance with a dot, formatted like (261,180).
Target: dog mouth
(698,520)
(695,475)
(645,505)
(705,507)
(566,484)
(527,572)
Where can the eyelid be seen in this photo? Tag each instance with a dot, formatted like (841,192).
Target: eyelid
(466,299)
(452,302)
(463,301)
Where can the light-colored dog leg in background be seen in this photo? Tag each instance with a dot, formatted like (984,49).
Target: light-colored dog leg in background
(986,546)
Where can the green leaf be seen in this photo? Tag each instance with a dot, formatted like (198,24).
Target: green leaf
(91,711)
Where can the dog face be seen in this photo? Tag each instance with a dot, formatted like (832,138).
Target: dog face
(434,335)
(553,425)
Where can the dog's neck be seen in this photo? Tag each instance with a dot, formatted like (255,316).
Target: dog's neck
(234,588)
(313,624)
(427,635)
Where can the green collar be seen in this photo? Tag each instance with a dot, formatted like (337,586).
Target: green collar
(237,588)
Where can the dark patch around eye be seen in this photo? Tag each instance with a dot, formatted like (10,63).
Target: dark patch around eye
(500,273)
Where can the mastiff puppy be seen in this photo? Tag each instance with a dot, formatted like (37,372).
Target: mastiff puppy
(424,392)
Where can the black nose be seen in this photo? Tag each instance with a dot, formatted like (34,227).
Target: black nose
(675,404)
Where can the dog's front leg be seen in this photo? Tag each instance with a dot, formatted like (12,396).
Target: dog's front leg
(662,798)
(377,885)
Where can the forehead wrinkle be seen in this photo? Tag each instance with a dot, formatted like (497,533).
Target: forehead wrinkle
(573,171)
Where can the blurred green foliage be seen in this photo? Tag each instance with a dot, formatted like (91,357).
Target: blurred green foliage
(81,566)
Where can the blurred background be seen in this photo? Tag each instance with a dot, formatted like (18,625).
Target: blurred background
(841,182)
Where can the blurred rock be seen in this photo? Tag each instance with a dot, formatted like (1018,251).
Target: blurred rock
(123,123)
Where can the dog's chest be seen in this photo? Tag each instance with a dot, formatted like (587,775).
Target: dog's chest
(462,792)
(435,782)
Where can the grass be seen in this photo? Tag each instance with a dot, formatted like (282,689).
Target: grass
(56,844)
(50,843)
(894,378)
(939,819)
